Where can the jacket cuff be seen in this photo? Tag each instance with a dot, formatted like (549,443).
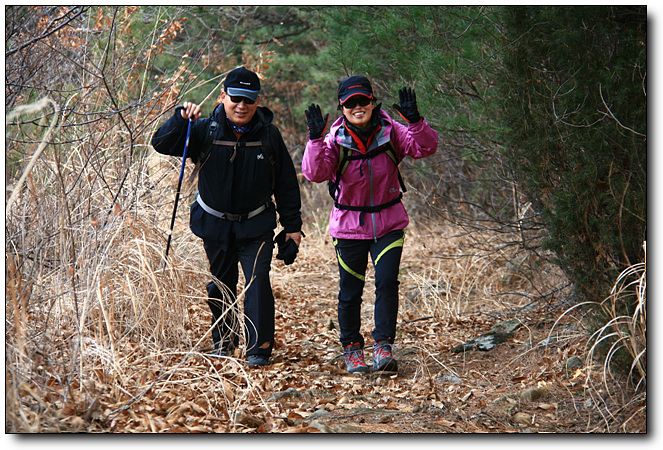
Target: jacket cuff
(418,125)
(178,115)
(292,229)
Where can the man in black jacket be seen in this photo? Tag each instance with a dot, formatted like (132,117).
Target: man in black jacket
(243,163)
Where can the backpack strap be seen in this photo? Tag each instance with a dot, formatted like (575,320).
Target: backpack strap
(239,143)
(370,209)
(207,147)
(236,144)
(210,141)
(345,157)
(269,153)
(388,148)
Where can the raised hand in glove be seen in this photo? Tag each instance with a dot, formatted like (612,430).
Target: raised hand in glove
(408,107)
(316,124)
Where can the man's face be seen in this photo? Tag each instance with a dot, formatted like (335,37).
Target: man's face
(238,113)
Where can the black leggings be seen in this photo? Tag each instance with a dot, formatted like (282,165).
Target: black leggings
(352,256)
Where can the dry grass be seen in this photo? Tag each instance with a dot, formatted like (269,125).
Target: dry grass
(627,332)
(620,333)
(93,315)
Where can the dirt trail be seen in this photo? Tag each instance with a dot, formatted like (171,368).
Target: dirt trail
(535,381)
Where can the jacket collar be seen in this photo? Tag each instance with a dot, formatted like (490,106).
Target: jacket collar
(343,137)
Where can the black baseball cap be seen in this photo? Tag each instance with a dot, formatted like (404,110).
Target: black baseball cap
(242,82)
(354,85)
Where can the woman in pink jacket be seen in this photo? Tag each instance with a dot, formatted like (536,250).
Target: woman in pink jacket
(359,159)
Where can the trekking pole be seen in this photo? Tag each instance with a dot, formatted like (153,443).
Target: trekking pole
(177,195)
(179,183)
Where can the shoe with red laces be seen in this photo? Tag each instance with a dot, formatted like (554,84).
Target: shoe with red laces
(383,358)
(354,359)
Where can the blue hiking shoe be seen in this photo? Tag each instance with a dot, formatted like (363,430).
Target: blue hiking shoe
(354,359)
(383,358)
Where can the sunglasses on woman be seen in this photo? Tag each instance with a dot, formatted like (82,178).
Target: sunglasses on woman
(239,99)
(356,100)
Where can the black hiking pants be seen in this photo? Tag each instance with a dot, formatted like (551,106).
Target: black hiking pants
(352,256)
(255,258)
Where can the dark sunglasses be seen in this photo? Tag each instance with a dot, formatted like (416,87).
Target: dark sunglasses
(356,100)
(239,99)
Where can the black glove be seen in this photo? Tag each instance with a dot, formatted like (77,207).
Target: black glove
(408,107)
(316,124)
(287,249)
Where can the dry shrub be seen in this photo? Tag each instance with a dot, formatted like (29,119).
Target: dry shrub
(476,273)
(622,331)
(615,374)
(620,346)
(94,317)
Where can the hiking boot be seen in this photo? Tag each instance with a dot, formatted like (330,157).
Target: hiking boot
(222,349)
(257,360)
(383,359)
(354,359)
(218,352)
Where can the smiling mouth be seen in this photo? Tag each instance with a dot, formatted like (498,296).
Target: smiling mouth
(240,118)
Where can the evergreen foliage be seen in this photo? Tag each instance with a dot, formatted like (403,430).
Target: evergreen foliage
(574,90)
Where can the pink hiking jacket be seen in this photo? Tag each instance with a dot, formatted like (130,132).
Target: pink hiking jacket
(367,182)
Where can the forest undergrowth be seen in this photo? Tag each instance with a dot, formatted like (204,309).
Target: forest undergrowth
(118,341)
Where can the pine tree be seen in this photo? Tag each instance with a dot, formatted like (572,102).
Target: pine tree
(574,91)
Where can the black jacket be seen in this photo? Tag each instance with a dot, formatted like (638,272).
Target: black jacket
(242,185)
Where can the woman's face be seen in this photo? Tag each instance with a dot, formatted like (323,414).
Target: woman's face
(358,115)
